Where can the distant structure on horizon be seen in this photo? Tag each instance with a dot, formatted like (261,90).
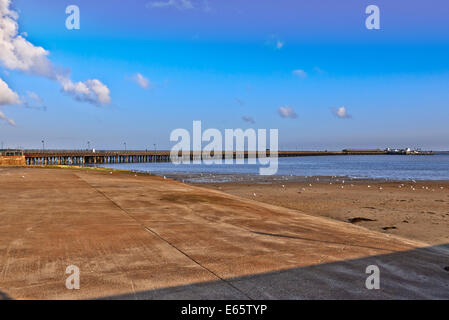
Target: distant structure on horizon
(407,151)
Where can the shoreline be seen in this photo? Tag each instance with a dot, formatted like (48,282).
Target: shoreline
(386,168)
(193,178)
(416,210)
(208,178)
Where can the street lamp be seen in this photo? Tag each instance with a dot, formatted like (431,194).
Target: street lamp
(43,145)
(88,145)
(124,143)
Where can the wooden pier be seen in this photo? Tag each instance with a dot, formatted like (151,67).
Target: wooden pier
(81,158)
(89,157)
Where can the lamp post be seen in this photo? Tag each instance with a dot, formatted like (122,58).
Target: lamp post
(43,144)
(124,143)
(88,145)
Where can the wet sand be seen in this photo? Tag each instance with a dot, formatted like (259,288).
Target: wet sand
(415,210)
(138,236)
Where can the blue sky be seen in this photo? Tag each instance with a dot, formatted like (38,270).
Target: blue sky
(220,61)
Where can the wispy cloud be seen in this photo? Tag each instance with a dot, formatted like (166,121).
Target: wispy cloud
(7,120)
(319,70)
(206,6)
(7,97)
(275,42)
(34,101)
(35,97)
(182,5)
(279,44)
(248,119)
(240,101)
(287,112)
(178,4)
(341,113)
(142,81)
(18,53)
(300,73)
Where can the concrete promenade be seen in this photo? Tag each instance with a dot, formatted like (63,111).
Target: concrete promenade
(145,237)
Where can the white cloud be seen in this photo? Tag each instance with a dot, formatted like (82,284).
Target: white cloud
(279,44)
(17,53)
(178,4)
(341,113)
(93,91)
(141,81)
(8,120)
(7,96)
(287,112)
(248,119)
(300,73)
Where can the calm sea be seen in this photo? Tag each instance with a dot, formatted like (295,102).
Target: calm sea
(394,167)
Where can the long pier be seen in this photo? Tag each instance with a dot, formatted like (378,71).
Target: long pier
(89,157)
(76,157)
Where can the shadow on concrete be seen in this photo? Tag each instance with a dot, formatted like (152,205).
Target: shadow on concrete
(415,274)
(4,296)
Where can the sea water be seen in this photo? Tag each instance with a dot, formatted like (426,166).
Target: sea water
(392,167)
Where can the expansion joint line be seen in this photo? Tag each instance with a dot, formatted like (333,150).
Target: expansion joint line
(148,229)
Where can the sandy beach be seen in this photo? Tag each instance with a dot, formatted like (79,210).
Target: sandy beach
(415,210)
(137,236)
